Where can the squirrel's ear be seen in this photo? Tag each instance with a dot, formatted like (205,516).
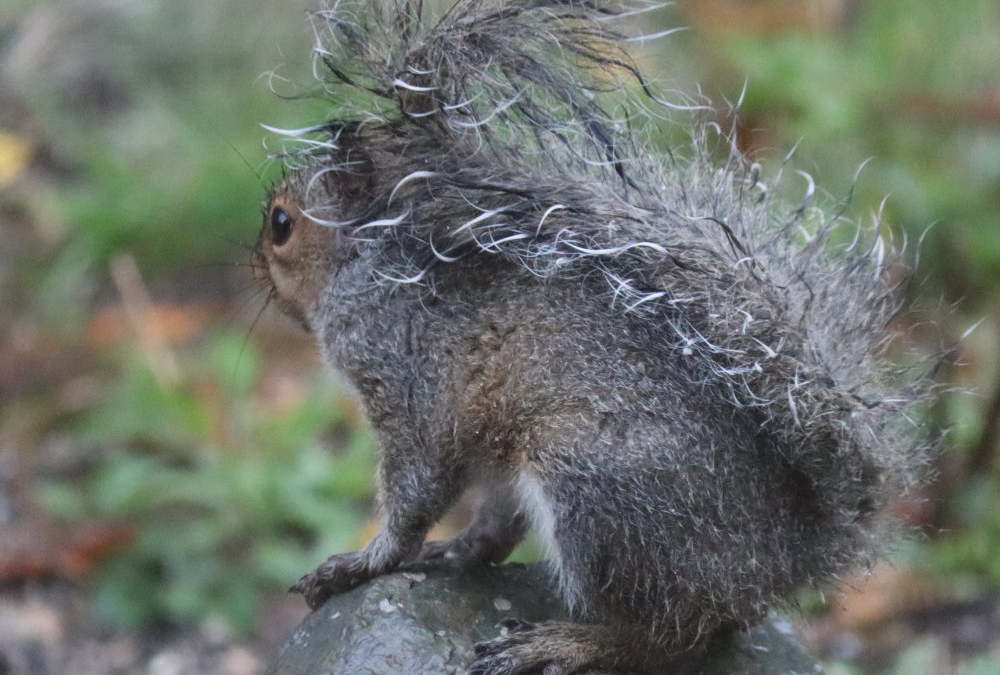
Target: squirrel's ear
(354,177)
(417,90)
(416,103)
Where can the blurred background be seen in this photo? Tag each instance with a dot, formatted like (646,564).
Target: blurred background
(172,458)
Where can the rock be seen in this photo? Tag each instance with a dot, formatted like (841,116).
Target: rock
(424,621)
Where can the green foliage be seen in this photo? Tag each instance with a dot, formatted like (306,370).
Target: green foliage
(973,547)
(223,515)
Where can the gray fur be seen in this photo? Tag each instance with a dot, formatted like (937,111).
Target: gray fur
(680,380)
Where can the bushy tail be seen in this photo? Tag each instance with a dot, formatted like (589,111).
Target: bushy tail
(516,129)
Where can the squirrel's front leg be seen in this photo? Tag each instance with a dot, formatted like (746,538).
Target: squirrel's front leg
(415,489)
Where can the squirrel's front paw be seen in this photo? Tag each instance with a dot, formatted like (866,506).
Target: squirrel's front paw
(526,648)
(338,574)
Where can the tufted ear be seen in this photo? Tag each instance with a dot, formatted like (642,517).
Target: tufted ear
(351,174)
(352,178)
(416,95)
(357,179)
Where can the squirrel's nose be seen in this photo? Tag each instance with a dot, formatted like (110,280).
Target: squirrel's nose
(258,264)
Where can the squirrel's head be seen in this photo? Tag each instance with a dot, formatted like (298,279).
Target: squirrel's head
(301,245)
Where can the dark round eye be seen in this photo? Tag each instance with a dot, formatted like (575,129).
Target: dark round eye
(281,226)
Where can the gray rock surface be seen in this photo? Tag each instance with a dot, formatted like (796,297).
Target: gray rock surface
(425,620)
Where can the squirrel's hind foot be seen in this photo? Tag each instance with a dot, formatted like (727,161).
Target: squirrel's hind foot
(452,550)
(529,648)
(498,528)
(466,551)
(556,648)
(562,648)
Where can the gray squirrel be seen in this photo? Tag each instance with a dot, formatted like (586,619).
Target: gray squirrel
(678,381)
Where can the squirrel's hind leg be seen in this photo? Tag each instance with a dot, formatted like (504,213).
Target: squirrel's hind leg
(559,648)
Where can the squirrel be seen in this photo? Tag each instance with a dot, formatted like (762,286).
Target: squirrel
(679,382)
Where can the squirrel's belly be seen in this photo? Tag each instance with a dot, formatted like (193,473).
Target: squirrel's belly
(540,509)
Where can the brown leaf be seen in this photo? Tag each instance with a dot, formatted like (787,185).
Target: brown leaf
(765,17)
(177,324)
(38,549)
(92,544)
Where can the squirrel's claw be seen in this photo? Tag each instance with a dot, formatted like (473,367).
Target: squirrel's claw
(338,574)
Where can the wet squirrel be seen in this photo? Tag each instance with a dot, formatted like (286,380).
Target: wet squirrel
(680,382)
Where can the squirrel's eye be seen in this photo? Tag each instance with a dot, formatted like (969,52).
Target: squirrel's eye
(281,227)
